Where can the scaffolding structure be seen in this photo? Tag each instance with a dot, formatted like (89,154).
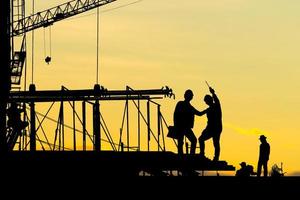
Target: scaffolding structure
(92,97)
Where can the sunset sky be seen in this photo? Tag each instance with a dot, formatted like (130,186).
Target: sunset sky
(246,49)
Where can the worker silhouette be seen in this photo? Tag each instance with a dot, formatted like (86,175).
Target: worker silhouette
(214,124)
(264,153)
(245,170)
(184,115)
(14,118)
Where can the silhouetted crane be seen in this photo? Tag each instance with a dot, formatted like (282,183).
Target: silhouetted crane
(12,61)
(57,13)
(43,19)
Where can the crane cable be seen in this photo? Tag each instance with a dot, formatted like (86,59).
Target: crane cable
(47,57)
(104,11)
(45,50)
(98,34)
(50,41)
(121,6)
(32,49)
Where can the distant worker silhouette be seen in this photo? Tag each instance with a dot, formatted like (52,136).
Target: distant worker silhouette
(245,170)
(264,153)
(184,115)
(14,118)
(214,124)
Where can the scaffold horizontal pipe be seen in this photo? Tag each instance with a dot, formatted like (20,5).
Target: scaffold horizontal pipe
(85,95)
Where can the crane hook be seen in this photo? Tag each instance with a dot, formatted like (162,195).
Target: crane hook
(48,59)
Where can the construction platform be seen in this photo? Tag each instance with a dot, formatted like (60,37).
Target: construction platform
(108,163)
(118,174)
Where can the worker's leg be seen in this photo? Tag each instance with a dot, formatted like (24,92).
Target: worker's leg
(216,141)
(204,136)
(180,145)
(265,166)
(192,138)
(259,165)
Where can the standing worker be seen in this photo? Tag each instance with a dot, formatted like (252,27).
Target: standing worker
(184,115)
(264,153)
(214,124)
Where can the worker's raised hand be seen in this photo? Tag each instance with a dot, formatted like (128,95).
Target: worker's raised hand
(211,90)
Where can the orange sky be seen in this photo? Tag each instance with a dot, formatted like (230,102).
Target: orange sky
(246,49)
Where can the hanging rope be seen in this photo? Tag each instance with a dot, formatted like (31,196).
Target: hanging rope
(25,68)
(47,57)
(45,49)
(32,43)
(50,41)
(97,71)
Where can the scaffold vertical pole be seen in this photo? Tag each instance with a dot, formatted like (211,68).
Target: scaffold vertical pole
(74,128)
(96,126)
(139,126)
(127,123)
(148,125)
(83,126)
(32,121)
(158,126)
(62,126)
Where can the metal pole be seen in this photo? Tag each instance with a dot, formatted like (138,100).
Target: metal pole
(32,121)
(127,116)
(62,126)
(24,133)
(162,131)
(4,68)
(158,126)
(83,126)
(12,50)
(96,126)
(74,128)
(139,126)
(99,137)
(148,124)
(59,128)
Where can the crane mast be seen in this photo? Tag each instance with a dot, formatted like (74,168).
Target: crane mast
(4,69)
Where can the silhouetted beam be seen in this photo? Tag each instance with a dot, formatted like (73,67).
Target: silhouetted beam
(91,92)
(166,92)
(52,15)
(79,95)
(74,98)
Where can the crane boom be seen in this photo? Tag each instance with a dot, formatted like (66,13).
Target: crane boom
(60,12)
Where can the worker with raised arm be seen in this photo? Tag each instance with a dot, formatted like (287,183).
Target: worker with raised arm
(214,124)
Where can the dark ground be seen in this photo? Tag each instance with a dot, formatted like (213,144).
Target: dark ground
(88,178)
(53,183)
